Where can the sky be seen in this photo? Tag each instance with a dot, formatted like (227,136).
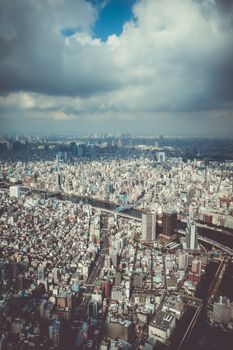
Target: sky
(148,67)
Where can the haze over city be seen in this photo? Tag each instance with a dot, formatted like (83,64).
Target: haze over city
(146,67)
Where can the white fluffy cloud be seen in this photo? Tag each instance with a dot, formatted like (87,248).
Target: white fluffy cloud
(171,66)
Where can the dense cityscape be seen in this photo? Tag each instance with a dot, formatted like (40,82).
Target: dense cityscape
(116,242)
(116,175)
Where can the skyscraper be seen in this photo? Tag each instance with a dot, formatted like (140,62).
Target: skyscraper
(148,226)
(58,171)
(169,222)
(191,236)
(93,308)
(196,267)
(40,273)
(183,260)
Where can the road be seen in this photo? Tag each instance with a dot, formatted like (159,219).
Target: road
(220,246)
(216,281)
(164,271)
(99,263)
(136,214)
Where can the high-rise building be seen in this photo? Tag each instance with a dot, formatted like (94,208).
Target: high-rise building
(169,222)
(115,258)
(183,260)
(15,191)
(14,269)
(196,267)
(69,301)
(148,226)
(160,156)
(40,273)
(109,188)
(107,261)
(93,308)
(107,288)
(20,282)
(191,236)
(193,212)
(54,332)
(58,171)
(42,308)
(56,275)
(59,180)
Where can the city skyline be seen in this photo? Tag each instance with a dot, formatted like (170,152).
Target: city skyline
(145,67)
(125,244)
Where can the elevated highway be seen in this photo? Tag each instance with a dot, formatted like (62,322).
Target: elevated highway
(215,244)
(136,214)
(123,208)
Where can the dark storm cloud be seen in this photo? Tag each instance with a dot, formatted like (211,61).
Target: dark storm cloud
(225,5)
(174,58)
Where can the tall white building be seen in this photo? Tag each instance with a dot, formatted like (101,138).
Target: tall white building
(40,274)
(15,191)
(160,156)
(183,260)
(191,236)
(114,257)
(148,226)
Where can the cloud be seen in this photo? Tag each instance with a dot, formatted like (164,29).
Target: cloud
(21,100)
(173,59)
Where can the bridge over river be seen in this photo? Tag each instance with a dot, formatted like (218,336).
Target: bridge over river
(221,239)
